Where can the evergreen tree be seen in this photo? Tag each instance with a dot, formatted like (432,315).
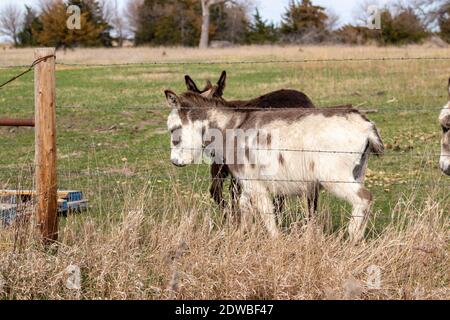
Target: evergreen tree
(178,22)
(94,19)
(402,28)
(168,22)
(31,21)
(54,32)
(303,17)
(229,23)
(260,31)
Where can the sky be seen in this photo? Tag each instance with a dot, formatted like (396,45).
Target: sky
(272,10)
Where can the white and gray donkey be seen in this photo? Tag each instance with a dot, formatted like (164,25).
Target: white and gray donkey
(444,120)
(288,152)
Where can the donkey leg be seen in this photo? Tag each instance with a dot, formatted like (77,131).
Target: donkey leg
(245,206)
(312,198)
(266,210)
(235,191)
(278,203)
(361,200)
(258,201)
(360,214)
(218,174)
(264,205)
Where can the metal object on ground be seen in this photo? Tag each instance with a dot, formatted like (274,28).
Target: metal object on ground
(69,201)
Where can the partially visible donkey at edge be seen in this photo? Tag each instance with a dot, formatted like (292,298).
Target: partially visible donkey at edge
(339,142)
(276,99)
(444,120)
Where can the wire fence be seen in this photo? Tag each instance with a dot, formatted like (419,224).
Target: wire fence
(94,145)
(238,62)
(162,107)
(205,63)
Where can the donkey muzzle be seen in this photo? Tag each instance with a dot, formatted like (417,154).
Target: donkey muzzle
(176,163)
(445,167)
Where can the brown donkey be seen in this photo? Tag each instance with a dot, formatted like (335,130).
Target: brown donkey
(276,100)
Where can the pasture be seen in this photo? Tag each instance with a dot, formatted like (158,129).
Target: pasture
(152,230)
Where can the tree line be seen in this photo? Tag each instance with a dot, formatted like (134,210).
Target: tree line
(198,22)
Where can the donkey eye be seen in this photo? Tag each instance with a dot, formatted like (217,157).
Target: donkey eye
(175,129)
(445,129)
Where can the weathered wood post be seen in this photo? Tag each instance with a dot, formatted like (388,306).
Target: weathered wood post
(45,144)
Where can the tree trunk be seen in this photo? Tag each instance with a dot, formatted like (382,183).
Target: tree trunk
(204,38)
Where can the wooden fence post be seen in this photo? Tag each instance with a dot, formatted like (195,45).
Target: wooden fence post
(45,144)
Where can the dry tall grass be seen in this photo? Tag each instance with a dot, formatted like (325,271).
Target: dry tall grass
(182,252)
(244,53)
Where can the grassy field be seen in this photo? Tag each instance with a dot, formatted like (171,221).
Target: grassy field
(153,232)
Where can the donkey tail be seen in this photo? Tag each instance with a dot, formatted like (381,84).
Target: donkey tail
(375,143)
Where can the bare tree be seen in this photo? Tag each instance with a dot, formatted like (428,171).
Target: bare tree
(115,18)
(131,14)
(332,20)
(11,22)
(246,5)
(431,10)
(206,17)
(361,13)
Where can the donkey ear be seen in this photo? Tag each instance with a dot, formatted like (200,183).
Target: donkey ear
(190,84)
(172,99)
(221,84)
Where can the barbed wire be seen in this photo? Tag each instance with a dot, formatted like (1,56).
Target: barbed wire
(183,63)
(243,109)
(108,172)
(31,67)
(273,61)
(248,109)
(94,145)
(191,179)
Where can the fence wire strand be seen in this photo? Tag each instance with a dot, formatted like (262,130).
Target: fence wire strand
(166,108)
(95,145)
(31,67)
(183,63)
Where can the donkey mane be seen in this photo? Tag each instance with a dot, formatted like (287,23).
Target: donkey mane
(193,100)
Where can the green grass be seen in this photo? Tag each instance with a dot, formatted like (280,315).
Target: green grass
(112,135)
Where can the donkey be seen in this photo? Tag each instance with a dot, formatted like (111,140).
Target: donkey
(276,99)
(301,149)
(444,120)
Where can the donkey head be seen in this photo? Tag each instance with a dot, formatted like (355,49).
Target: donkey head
(444,120)
(187,124)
